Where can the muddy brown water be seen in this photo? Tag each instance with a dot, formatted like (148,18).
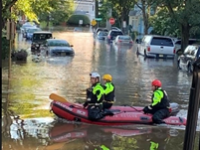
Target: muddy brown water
(28,124)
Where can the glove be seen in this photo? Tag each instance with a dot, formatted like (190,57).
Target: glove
(147,109)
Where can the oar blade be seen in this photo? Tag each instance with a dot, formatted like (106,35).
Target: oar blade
(58,98)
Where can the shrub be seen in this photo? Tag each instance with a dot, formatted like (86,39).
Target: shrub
(74,20)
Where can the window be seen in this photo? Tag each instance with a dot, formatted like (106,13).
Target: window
(146,39)
(41,36)
(162,41)
(115,33)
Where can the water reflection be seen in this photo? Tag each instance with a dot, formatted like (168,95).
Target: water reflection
(33,81)
(89,137)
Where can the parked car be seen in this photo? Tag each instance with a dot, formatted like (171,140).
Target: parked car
(99,29)
(101,35)
(189,56)
(123,39)
(39,38)
(178,44)
(115,28)
(29,32)
(156,46)
(27,25)
(112,34)
(57,47)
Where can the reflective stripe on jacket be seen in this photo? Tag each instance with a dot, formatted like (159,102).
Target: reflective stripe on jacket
(97,93)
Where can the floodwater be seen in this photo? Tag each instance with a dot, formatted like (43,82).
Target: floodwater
(27,123)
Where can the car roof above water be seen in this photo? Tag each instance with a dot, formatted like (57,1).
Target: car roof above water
(42,32)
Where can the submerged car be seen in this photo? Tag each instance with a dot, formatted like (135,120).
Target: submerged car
(39,38)
(123,39)
(101,35)
(189,56)
(27,25)
(29,32)
(112,34)
(57,47)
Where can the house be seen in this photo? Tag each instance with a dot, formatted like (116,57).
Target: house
(136,20)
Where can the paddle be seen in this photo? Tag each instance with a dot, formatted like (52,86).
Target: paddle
(61,99)
(58,98)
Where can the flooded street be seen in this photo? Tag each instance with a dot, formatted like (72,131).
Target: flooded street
(28,123)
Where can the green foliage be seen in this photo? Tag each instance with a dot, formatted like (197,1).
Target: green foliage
(58,13)
(33,9)
(120,10)
(163,24)
(74,20)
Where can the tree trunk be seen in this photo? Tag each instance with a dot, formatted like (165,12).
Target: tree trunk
(145,18)
(185,30)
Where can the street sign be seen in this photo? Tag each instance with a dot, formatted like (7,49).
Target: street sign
(98,19)
(80,22)
(112,21)
(93,22)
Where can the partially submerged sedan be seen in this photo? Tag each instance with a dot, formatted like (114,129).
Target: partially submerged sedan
(123,39)
(57,47)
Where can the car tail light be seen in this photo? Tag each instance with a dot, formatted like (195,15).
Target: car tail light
(174,51)
(148,48)
(108,37)
(119,41)
(131,41)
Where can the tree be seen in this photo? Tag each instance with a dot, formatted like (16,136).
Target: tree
(146,7)
(185,14)
(58,12)
(33,8)
(120,9)
(163,24)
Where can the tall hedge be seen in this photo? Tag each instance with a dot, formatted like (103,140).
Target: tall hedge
(74,20)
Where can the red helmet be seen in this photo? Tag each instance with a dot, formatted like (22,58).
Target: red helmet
(156,83)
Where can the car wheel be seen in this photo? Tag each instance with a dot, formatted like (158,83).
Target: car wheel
(190,68)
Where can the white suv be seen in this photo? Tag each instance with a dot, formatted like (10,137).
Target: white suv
(156,46)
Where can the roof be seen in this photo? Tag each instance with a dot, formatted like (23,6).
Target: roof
(45,32)
(134,13)
(56,40)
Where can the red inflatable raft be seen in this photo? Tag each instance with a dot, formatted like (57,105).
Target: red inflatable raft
(67,132)
(123,115)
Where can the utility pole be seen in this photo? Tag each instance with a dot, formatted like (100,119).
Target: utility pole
(193,109)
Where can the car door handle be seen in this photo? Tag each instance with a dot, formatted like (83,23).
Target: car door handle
(161,47)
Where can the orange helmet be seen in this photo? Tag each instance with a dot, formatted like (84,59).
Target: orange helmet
(156,83)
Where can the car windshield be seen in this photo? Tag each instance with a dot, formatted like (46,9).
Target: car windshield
(190,50)
(58,43)
(103,33)
(33,30)
(41,36)
(27,25)
(124,37)
(162,41)
(115,33)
